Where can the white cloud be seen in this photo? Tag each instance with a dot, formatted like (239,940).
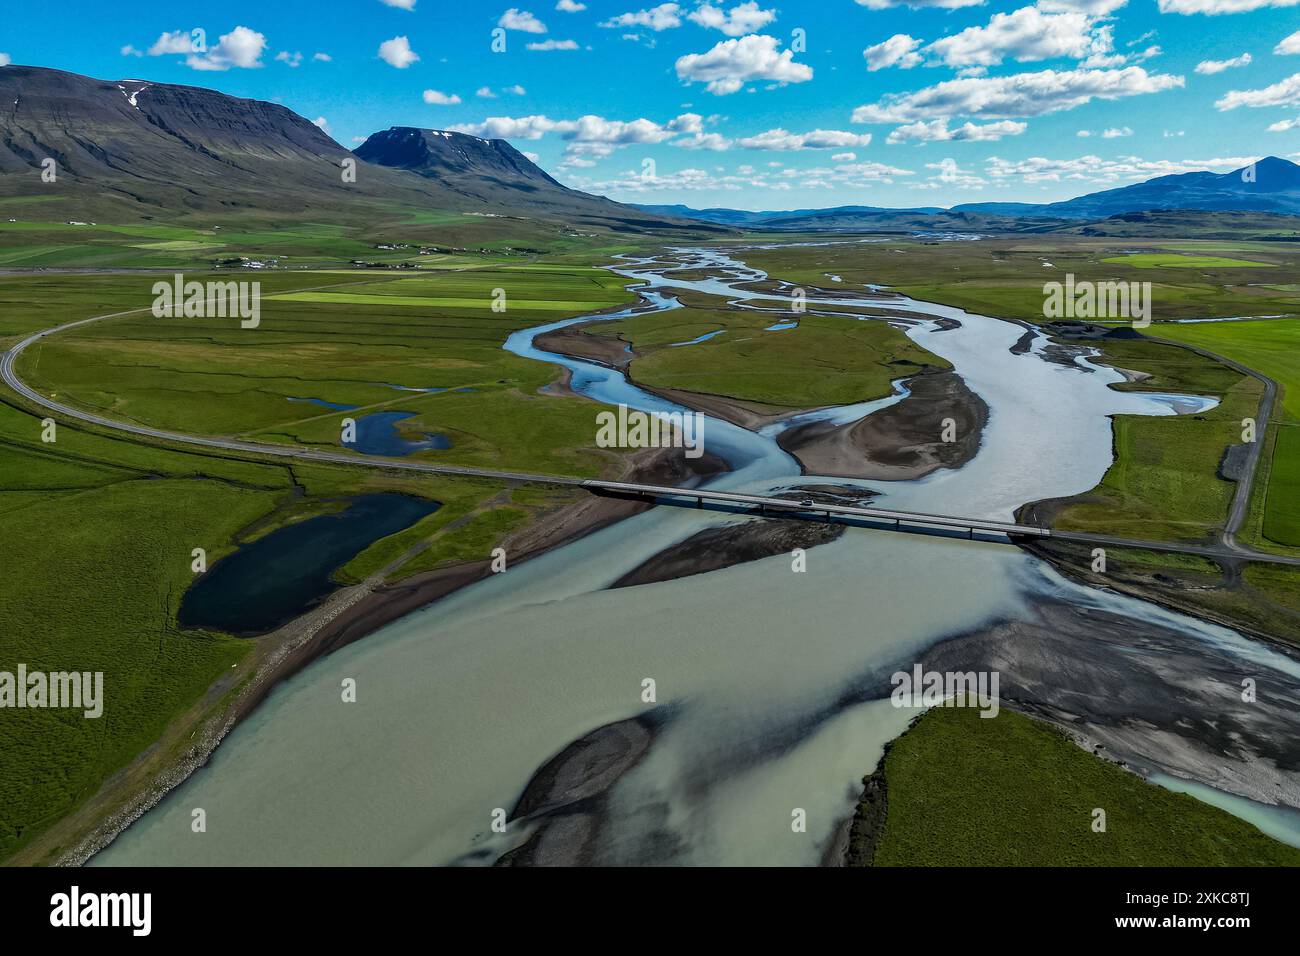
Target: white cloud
(1283,126)
(521,20)
(322,122)
(178,41)
(1282,93)
(516,90)
(570,6)
(5,59)
(899,50)
(844,157)
(127,50)
(437,98)
(817,139)
(733,63)
(397,52)
(485,92)
(1016,95)
(1289,44)
(738,21)
(1218,66)
(1116,132)
(918,4)
(1025,34)
(1213,7)
(666,16)
(1096,8)
(937,131)
(554,45)
(400,4)
(1094,169)
(241,48)
(292,59)
(322,57)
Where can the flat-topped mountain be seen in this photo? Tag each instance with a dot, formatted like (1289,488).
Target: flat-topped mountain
(137,148)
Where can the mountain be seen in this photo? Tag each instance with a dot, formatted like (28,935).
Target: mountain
(478,173)
(134,148)
(1271,186)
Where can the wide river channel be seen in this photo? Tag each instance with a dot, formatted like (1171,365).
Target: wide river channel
(759,670)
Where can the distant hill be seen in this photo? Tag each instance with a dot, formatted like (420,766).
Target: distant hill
(1271,186)
(135,148)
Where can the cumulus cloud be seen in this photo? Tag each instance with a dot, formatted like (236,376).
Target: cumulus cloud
(128,50)
(5,60)
(322,122)
(780,139)
(899,50)
(322,57)
(177,41)
(738,21)
(570,6)
(241,47)
(1218,66)
(400,4)
(1213,7)
(918,4)
(1283,126)
(521,20)
(938,131)
(1095,8)
(666,16)
(1025,34)
(1289,44)
(733,63)
(1282,93)
(1116,132)
(1016,95)
(436,98)
(554,45)
(397,52)
(292,59)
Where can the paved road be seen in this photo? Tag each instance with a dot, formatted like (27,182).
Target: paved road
(776,507)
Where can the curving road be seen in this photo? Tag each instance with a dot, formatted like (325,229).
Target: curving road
(775,507)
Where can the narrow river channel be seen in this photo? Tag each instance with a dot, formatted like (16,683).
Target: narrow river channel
(767,680)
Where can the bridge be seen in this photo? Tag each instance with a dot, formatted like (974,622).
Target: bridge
(797,509)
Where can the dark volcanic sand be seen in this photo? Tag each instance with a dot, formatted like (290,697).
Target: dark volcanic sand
(900,442)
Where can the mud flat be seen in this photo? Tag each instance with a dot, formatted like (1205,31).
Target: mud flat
(898,443)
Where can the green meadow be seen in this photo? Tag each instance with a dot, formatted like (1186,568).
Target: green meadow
(1005,276)
(370,350)
(825,360)
(1271,347)
(965,790)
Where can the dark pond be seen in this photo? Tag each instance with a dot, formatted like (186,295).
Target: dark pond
(283,574)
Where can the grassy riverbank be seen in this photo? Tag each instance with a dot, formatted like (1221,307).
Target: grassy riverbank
(963,790)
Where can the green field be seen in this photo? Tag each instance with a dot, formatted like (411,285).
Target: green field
(825,360)
(1271,347)
(1012,791)
(1164,483)
(365,350)
(1158,260)
(1005,276)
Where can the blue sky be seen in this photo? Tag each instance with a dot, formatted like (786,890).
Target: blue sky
(754,105)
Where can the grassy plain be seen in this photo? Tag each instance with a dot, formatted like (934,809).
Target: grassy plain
(429,330)
(1271,347)
(1012,791)
(823,361)
(1005,276)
